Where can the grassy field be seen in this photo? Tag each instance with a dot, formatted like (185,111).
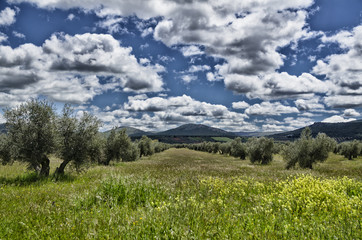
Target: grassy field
(184,194)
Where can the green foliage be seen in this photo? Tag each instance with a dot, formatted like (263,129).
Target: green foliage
(350,150)
(119,146)
(183,194)
(160,147)
(261,150)
(306,151)
(77,138)
(225,148)
(145,146)
(31,131)
(5,154)
(238,149)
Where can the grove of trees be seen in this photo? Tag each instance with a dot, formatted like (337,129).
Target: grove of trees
(35,131)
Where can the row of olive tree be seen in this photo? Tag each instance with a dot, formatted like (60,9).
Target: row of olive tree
(35,131)
(259,150)
(350,150)
(304,152)
(119,147)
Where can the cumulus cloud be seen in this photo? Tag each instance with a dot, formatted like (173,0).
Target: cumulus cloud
(343,70)
(7,16)
(71,17)
(343,101)
(18,35)
(276,85)
(112,24)
(191,51)
(64,60)
(288,124)
(351,113)
(188,78)
(247,34)
(337,119)
(160,113)
(268,108)
(212,77)
(309,105)
(240,105)
(198,68)
(3,37)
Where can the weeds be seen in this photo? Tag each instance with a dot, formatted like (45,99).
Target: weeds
(183,194)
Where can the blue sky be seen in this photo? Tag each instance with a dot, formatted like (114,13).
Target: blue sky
(240,65)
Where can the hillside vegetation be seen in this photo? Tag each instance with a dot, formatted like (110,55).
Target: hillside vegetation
(185,194)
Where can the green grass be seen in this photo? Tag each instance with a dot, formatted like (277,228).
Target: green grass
(184,194)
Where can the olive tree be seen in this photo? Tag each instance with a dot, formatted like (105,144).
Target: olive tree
(238,149)
(261,150)
(76,137)
(145,146)
(350,149)
(5,154)
(120,147)
(31,132)
(306,151)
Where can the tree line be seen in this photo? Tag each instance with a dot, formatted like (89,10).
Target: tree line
(305,152)
(35,131)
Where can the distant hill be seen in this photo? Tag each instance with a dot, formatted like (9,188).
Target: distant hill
(255,134)
(195,130)
(340,131)
(130,131)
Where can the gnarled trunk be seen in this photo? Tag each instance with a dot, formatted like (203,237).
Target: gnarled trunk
(45,168)
(60,169)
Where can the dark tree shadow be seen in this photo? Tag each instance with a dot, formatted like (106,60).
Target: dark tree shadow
(33,178)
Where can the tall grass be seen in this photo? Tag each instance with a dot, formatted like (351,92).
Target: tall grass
(183,194)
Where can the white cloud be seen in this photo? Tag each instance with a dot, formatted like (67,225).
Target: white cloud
(198,68)
(3,37)
(240,105)
(191,51)
(112,24)
(351,113)
(63,61)
(247,34)
(337,119)
(343,70)
(18,35)
(147,32)
(71,17)
(188,78)
(343,101)
(309,105)
(275,85)
(270,109)
(212,77)
(7,16)
(160,113)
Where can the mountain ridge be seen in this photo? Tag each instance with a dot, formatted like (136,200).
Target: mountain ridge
(195,130)
(342,131)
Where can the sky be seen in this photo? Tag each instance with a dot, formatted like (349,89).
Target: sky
(239,65)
